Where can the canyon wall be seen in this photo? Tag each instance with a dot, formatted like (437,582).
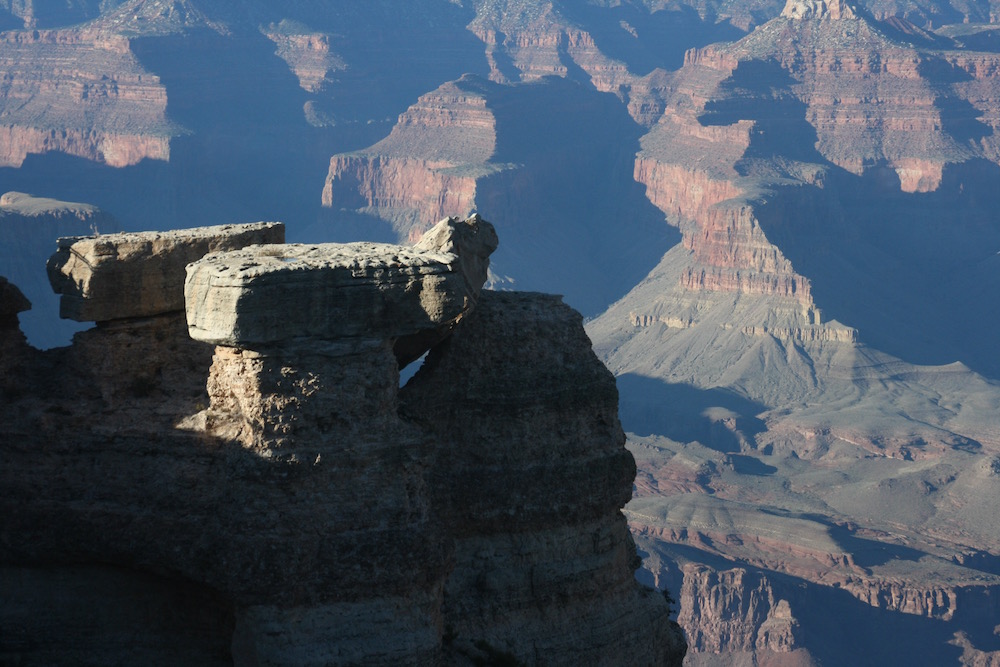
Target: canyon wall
(80,92)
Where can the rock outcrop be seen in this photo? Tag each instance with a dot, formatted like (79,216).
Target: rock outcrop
(29,226)
(429,164)
(313,512)
(131,275)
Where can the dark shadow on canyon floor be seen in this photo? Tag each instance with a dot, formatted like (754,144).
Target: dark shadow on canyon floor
(918,274)
(571,218)
(717,418)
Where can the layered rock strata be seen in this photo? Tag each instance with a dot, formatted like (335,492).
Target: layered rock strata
(130,275)
(532,552)
(131,284)
(276,293)
(748,125)
(430,163)
(80,92)
(307,53)
(311,513)
(777,157)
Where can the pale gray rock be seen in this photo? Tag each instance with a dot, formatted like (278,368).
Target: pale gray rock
(473,240)
(818,9)
(276,293)
(139,274)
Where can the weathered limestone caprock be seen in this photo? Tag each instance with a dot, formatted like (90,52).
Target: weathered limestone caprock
(275,293)
(141,274)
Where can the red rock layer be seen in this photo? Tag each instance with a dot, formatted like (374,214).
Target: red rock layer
(685,171)
(82,93)
(551,47)
(426,169)
(307,54)
(114,149)
(410,193)
(743,609)
(871,100)
(873,105)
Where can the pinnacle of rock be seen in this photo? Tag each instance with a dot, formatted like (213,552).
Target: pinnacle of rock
(818,9)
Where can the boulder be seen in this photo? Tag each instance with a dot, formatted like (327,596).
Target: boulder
(128,275)
(277,293)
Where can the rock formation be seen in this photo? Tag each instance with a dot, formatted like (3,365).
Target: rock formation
(817,454)
(119,276)
(300,508)
(818,9)
(784,158)
(81,92)
(430,164)
(28,227)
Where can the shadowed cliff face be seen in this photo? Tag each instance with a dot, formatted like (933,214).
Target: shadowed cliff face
(888,261)
(283,501)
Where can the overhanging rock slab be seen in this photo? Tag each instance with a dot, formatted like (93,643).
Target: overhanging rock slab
(275,293)
(140,274)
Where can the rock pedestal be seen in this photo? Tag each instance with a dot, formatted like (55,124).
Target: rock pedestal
(131,284)
(305,378)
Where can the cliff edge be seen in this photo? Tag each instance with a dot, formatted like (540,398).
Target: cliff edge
(279,499)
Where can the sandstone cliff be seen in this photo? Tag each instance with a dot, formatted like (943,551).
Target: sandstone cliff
(300,508)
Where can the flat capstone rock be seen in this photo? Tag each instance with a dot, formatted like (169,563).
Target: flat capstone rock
(139,274)
(275,293)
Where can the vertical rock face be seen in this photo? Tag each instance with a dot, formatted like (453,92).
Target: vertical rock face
(735,610)
(314,514)
(545,567)
(818,9)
